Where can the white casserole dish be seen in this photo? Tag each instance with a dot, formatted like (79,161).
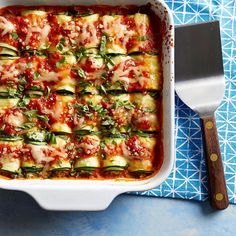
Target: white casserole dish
(98,194)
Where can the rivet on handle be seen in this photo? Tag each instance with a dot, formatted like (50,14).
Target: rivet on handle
(209,125)
(219,196)
(213,157)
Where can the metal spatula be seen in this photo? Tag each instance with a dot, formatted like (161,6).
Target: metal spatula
(200,84)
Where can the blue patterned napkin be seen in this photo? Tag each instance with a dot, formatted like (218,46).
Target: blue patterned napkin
(188,179)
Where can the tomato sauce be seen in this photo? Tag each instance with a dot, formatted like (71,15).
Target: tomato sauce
(45,105)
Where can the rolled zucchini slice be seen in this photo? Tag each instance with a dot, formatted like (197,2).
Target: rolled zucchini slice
(6,103)
(36,13)
(88,111)
(114,158)
(85,87)
(150,76)
(63,106)
(141,39)
(116,34)
(62,165)
(140,167)
(7,52)
(36,18)
(36,137)
(8,46)
(144,102)
(65,86)
(9,160)
(60,128)
(87,164)
(34,92)
(31,167)
(115,163)
(6,91)
(89,36)
(10,165)
(8,138)
(135,73)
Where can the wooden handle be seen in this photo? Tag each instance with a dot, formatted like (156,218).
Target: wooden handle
(216,179)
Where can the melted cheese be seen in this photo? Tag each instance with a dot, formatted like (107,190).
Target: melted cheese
(142,23)
(44,153)
(16,119)
(91,142)
(48,76)
(39,153)
(43,33)
(6,26)
(118,33)
(121,74)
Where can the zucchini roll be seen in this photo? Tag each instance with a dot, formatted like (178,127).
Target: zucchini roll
(30,166)
(145,114)
(143,39)
(46,160)
(8,51)
(61,166)
(89,32)
(89,111)
(119,112)
(9,43)
(140,151)
(114,159)
(62,82)
(89,73)
(6,103)
(62,115)
(136,73)
(116,34)
(10,155)
(88,154)
(60,42)
(35,30)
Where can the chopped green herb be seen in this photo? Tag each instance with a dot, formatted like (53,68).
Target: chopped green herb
(60,62)
(125,104)
(47,92)
(102,89)
(104,76)
(14,35)
(108,121)
(80,72)
(21,88)
(36,75)
(35,88)
(52,138)
(23,102)
(25,126)
(142,38)
(31,113)
(61,44)
(11,92)
(103,44)
(80,53)
(22,80)
(28,65)
(43,117)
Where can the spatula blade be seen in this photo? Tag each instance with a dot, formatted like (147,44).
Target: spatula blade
(199,70)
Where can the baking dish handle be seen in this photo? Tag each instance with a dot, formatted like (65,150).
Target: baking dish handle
(88,199)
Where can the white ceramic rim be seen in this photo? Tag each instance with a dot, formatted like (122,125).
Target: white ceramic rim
(98,194)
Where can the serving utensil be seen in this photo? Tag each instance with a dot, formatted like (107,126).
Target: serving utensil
(200,84)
